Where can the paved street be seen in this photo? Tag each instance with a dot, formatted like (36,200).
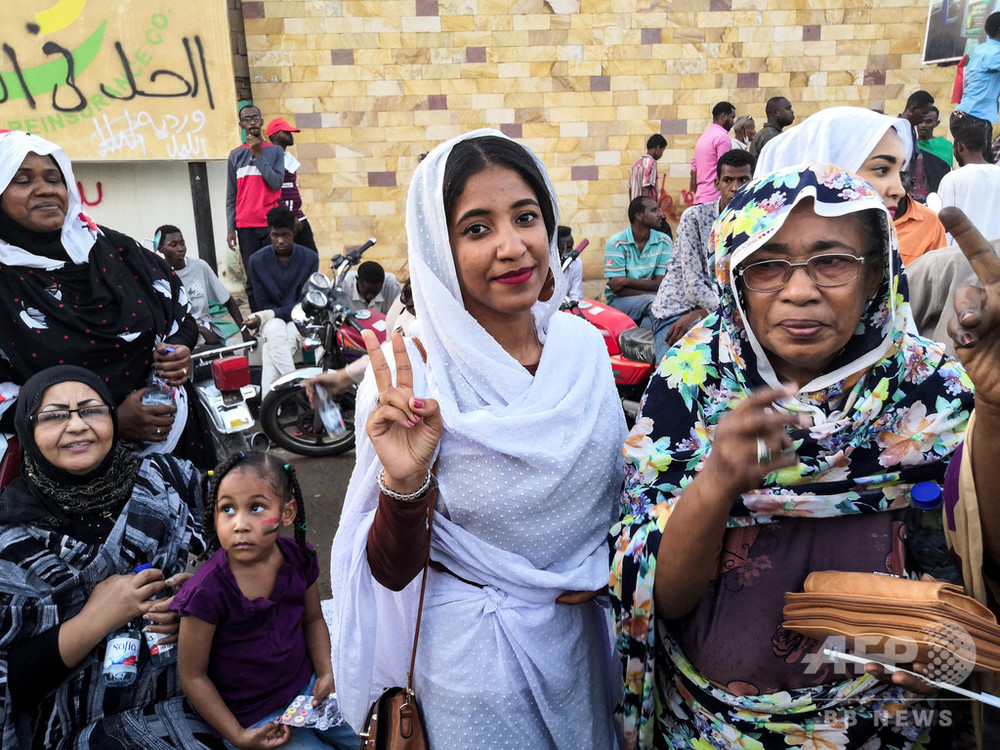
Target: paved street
(324,482)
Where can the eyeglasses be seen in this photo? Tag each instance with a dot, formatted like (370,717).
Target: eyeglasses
(252,118)
(62,416)
(832,269)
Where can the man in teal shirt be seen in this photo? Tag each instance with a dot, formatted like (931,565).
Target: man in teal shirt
(635,261)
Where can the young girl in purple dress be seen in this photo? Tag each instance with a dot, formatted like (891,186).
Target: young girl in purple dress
(252,633)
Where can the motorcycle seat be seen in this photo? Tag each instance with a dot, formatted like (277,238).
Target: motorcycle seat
(637,344)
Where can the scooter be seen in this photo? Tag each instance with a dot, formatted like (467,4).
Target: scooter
(221,378)
(331,330)
(630,347)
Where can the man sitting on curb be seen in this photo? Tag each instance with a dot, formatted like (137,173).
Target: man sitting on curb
(634,262)
(278,272)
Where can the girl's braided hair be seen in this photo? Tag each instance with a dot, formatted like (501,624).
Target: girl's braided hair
(280,476)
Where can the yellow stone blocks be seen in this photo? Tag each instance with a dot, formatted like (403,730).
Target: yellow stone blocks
(583,82)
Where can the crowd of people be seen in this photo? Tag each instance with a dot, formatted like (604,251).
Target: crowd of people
(587,585)
(665,284)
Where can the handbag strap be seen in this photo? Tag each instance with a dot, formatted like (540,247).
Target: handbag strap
(423,587)
(423,578)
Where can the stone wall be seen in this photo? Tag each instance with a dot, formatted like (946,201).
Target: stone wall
(375,83)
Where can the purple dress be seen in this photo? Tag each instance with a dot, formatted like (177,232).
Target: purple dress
(259,660)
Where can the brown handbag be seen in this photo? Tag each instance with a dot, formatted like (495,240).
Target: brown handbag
(394,721)
(894,614)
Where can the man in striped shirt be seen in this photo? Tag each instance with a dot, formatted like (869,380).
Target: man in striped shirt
(642,179)
(635,261)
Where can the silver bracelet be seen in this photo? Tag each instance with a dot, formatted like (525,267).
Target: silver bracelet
(408,496)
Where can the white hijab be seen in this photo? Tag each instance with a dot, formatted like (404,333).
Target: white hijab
(529,467)
(78,231)
(843,136)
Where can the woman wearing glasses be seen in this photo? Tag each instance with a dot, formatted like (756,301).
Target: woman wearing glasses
(781,437)
(73,527)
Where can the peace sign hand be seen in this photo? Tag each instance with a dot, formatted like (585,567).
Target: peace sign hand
(405,430)
(976,327)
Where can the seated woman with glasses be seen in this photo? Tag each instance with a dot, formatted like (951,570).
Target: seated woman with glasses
(780,438)
(84,513)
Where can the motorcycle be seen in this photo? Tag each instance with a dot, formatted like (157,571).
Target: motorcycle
(221,378)
(630,347)
(332,331)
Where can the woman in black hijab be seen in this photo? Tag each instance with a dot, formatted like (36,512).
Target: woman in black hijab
(74,293)
(85,512)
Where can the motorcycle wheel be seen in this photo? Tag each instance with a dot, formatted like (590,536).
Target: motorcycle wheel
(288,420)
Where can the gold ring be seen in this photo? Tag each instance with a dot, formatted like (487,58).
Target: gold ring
(185,371)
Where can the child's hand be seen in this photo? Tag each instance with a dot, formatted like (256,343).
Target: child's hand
(322,689)
(270,735)
(163,620)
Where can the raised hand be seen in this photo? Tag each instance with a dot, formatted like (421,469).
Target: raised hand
(975,329)
(404,429)
(751,442)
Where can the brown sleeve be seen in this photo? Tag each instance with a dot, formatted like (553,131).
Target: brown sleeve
(398,542)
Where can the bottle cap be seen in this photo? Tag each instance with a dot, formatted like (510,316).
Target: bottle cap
(925,496)
(145,566)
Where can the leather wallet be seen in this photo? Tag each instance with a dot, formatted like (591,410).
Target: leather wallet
(892,616)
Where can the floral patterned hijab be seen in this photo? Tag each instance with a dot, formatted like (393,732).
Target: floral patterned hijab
(890,405)
(755,215)
(888,413)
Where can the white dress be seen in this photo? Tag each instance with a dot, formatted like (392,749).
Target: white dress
(529,469)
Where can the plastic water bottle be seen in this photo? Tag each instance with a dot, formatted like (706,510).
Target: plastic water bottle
(161,655)
(158,393)
(121,656)
(329,413)
(927,549)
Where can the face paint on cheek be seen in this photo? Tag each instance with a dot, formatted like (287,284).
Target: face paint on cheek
(271,525)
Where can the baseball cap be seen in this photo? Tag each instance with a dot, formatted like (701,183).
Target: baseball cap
(279,123)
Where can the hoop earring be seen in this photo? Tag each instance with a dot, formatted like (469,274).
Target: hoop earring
(548,288)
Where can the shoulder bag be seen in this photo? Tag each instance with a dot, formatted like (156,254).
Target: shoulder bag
(394,721)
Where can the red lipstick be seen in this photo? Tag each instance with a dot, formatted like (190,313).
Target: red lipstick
(514,278)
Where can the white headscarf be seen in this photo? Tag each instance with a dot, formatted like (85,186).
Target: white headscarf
(843,136)
(78,230)
(529,470)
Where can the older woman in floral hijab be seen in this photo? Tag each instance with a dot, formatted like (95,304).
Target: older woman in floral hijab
(780,438)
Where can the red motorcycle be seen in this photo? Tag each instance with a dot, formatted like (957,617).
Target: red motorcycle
(630,347)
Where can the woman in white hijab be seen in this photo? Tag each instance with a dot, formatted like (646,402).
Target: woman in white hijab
(516,404)
(871,145)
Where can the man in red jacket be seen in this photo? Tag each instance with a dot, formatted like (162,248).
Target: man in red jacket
(253,186)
